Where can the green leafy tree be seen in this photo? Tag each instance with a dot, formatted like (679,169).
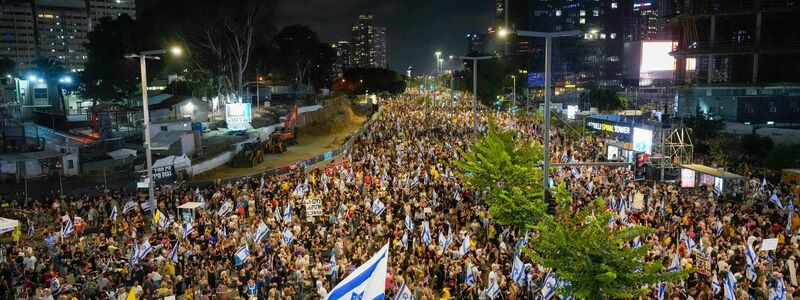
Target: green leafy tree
(783,156)
(703,129)
(507,168)
(606,99)
(596,259)
(108,76)
(492,77)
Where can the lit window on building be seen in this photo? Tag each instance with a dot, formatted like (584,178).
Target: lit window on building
(596,13)
(582,21)
(558,13)
(612,35)
(613,4)
(602,36)
(583,13)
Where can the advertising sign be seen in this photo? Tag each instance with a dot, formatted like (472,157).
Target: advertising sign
(657,63)
(642,140)
(238,115)
(313,207)
(608,127)
(687,178)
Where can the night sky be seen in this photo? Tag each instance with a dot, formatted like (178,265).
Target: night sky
(415,29)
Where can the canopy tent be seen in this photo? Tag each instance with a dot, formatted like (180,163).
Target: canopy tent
(122,153)
(8,225)
(191,205)
(713,172)
(187,211)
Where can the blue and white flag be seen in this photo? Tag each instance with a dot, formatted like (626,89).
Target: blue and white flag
(225,209)
(442,242)
(719,229)
(752,260)
(790,205)
(522,242)
(591,186)
(378,207)
(134,256)
(187,229)
(241,256)
(661,287)
(690,245)
(144,249)
(549,285)
(702,247)
(715,286)
(173,255)
(129,206)
(287,214)
(470,278)
(576,173)
(277,214)
(465,245)
(676,264)
(68,229)
(261,232)
(517,271)
(774,199)
(404,240)
(225,231)
(494,289)
(147,205)
(287,236)
(426,233)
(114,213)
(778,289)
(409,223)
(763,184)
(404,293)
(55,286)
(199,196)
(637,242)
(730,286)
(334,266)
(366,282)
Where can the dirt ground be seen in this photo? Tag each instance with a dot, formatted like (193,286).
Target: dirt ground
(312,141)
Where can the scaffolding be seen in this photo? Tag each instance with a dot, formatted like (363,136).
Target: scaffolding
(672,149)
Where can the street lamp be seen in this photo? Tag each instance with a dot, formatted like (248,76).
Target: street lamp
(143,56)
(548,61)
(514,91)
(475,60)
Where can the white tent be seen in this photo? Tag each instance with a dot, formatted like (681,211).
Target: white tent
(7,225)
(122,153)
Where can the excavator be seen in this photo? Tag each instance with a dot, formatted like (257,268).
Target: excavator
(284,136)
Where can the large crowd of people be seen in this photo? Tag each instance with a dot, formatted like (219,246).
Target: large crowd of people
(254,238)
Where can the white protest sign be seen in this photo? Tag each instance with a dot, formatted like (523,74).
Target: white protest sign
(313,207)
(769,244)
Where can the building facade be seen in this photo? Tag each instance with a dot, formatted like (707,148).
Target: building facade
(53,29)
(368,44)
(737,60)
(342,50)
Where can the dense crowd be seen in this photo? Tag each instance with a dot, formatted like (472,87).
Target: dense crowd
(397,186)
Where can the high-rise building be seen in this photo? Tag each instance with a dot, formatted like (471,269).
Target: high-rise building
(379,47)
(342,50)
(53,29)
(738,60)
(475,43)
(648,21)
(368,44)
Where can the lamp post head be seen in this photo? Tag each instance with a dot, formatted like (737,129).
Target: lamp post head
(175,50)
(503,32)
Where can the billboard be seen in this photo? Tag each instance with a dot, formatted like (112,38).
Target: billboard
(687,178)
(571,111)
(642,140)
(657,63)
(238,116)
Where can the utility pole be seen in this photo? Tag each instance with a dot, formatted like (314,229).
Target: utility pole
(475,60)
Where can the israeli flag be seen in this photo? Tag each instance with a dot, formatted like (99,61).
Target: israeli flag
(442,241)
(676,264)
(404,293)
(522,242)
(68,229)
(147,205)
(114,213)
(576,173)
(465,245)
(409,223)
(549,285)
(277,214)
(778,290)
(261,232)
(517,271)
(661,289)
(287,236)
(457,196)
(241,256)
(715,287)
(225,231)
(637,242)
(730,286)
(719,229)
(144,249)
(494,289)
(752,260)
(287,214)
(404,240)
(129,206)
(378,207)
(333,264)
(426,233)
(134,255)
(690,245)
(107,265)
(55,286)
(367,282)
(702,247)
(470,278)
(774,199)
(225,209)
(173,255)
(199,196)
(187,230)
(591,186)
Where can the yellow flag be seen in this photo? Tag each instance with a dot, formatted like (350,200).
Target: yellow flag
(158,215)
(131,294)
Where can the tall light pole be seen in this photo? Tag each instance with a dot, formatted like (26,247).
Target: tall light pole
(475,60)
(548,57)
(143,56)
(514,91)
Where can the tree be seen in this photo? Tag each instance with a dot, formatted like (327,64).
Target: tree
(607,100)
(298,47)
(179,87)
(508,169)
(492,75)
(783,156)
(361,80)
(108,75)
(598,261)
(703,129)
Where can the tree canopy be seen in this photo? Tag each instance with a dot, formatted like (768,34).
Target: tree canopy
(361,80)
(607,99)
(108,75)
